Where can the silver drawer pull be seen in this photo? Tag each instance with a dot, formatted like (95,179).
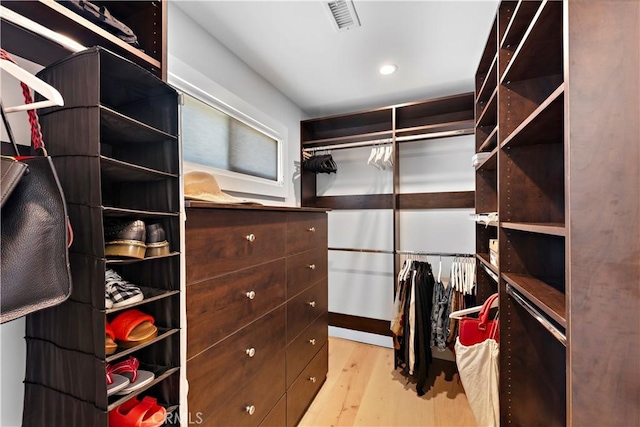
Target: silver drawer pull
(250,409)
(312,266)
(312,303)
(312,229)
(251,352)
(312,379)
(251,237)
(312,341)
(251,294)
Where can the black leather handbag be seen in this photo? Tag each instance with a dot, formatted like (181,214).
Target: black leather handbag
(36,233)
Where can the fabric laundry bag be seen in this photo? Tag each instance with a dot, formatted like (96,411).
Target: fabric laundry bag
(478,368)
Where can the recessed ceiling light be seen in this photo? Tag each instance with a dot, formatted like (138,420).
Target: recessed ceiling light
(388,69)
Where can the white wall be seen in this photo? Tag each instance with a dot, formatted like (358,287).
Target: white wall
(13,351)
(199,58)
(361,284)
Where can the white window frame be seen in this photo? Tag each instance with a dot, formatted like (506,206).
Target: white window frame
(244,184)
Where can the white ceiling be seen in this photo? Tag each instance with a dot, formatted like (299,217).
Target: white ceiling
(293,45)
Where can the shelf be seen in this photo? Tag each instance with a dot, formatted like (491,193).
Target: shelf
(443,200)
(371,136)
(490,141)
(489,52)
(490,113)
(489,84)
(540,52)
(544,126)
(119,171)
(426,130)
(551,229)
(364,123)
(58,18)
(485,259)
(356,201)
(150,295)
(135,260)
(520,19)
(163,333)
(122,212)
(116,129)
(491,162)
(548,299)
(131,395)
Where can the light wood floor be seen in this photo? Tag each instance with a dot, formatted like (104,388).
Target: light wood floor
(363,389)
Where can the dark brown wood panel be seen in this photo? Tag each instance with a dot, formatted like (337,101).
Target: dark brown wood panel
(218,307)
(532,364)
(538,255)
(305,269)
(278,415)
(306,231)
(532,184)
(261,391)
(604,154)
(305,347)
(452,199)
(344,125)
(301,393)
(486,193)
(356,201)
(305,308)
(218,240)
(358,323)
(226,370)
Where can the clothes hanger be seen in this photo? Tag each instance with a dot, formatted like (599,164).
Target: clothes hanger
(459,314)
(388,156)
(440,269)
(52,96)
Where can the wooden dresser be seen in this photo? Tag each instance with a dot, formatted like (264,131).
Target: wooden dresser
(256,312)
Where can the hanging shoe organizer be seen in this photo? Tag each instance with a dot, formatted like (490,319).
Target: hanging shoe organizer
(115,146)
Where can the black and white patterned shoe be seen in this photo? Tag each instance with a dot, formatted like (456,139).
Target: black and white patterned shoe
(118,292)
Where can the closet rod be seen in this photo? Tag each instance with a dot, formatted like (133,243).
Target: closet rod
(17,19)
(378,251)
(347,145)
(559,335)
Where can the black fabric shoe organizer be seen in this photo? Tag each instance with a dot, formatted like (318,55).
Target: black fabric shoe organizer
(116,150)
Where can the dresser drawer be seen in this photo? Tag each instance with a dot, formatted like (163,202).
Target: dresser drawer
(219,241)
(257,397)
(302,391)
(306,230)
(228,368)
(305,308)
(305,347)
(278,415)
(220,306)
(305,269)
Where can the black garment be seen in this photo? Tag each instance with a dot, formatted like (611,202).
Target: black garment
(424,305)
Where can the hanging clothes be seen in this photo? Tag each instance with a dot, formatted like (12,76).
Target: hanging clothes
(411,322)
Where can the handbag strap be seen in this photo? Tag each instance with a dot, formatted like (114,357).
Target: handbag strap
(486,308)
(37,142)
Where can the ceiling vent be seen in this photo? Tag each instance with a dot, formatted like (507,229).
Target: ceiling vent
(343,14)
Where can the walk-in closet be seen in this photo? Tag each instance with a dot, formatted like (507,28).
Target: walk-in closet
(320,213)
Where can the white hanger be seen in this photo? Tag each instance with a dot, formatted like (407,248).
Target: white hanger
(459,314)
(44,89)
(388,156)
(440,270)
(380,158)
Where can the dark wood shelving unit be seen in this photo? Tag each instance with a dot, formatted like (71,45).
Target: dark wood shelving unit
(540,51)
(416,121)
(489,113)
(148,20)
(491,162)
(567,109)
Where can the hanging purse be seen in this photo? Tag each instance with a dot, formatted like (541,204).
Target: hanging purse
(474,331)
(36,233)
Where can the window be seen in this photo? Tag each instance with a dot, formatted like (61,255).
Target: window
(215,139)
(238,144)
